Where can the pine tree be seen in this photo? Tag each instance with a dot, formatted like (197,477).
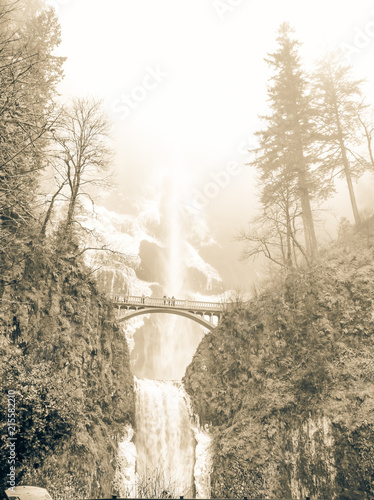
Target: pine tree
(338,103)
(285,157)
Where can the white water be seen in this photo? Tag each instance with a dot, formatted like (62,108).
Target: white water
(203,462)
(125,481)
(164,440)
(172,452)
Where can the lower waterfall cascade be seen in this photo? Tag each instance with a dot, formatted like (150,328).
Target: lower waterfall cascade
(170,455)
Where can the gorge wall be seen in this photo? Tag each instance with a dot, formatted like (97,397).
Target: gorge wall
(286,383)
(67,361)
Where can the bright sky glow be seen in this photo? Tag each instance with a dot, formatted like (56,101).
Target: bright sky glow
(189,76)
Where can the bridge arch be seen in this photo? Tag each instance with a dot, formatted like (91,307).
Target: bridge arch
(131,313)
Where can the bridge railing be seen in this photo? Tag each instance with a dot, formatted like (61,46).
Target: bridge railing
(167,302)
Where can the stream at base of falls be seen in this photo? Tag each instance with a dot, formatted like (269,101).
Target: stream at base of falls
(169,456)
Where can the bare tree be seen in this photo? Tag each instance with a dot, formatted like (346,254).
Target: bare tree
(275,233)
(82,158)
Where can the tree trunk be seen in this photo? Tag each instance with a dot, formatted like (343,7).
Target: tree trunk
(289,237)
(307,216)
(368,136)
(74,187)
(49,211)
(347,170)
(352,195)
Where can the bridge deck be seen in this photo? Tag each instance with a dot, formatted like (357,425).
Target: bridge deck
(168,303)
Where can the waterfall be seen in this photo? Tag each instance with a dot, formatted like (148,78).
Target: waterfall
(172,452)
(164,441)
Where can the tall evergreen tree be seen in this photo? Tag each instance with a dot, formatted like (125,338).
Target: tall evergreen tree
(285,157)
(338,103)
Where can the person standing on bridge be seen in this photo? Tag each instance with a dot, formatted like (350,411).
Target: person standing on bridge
(165,300)
(173,301)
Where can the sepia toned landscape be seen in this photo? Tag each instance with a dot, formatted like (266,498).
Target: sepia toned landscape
(186,249)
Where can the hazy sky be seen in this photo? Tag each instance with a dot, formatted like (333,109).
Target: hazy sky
(184,81)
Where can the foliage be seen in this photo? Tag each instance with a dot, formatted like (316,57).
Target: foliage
(284,158)
(338,105)
(288,382)
(316,129)
(29,73)
(47,410)
(68,363)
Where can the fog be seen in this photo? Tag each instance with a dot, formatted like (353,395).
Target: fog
(183,83)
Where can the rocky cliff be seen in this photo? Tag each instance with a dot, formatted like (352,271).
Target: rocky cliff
(67,362)
(286,383)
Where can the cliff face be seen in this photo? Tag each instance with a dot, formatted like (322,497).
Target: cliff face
(287,384)
(67,361)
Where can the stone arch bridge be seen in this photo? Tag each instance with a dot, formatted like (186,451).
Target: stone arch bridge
(207,314)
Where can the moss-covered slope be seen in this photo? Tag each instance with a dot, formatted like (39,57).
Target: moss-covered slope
(67,361)
(287,383)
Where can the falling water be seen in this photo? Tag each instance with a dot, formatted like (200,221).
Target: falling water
(165,442)
(175,265)
(166,344)
(172,453)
